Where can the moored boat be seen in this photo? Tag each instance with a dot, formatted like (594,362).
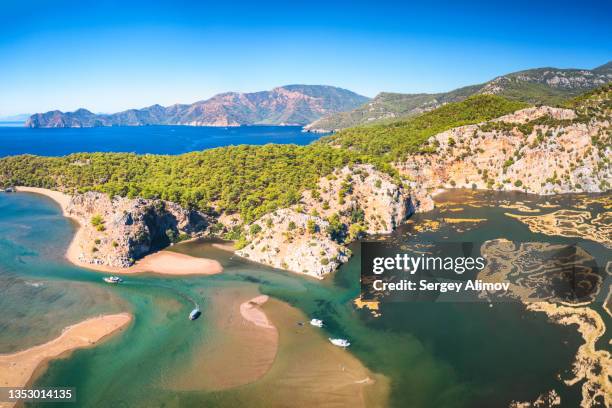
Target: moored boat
(195,313)
(340,342)
(316,322)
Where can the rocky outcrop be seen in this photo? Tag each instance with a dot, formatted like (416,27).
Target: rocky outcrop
(116,232)
(360,193)
(294,241)
(539,150)
(286,105)
(310,237)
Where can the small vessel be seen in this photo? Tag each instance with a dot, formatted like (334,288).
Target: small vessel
(316,322)
(340,342)
(195,313)
(113,279)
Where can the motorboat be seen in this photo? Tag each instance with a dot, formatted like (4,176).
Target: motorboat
(195,313)
(113,279)
(316,322)
(340,342)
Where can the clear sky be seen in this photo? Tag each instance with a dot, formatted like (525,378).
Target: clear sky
(109,55)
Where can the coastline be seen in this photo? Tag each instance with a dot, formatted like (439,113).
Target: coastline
(161,262)
(21,368)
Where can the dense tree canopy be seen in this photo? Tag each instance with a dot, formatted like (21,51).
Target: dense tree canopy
(396,139)
(250,180)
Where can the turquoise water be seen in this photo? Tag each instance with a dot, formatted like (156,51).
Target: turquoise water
(142,139)
(434,354)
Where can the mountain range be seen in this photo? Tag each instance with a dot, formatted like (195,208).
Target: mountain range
(541,86)
(285,105)
(322,108)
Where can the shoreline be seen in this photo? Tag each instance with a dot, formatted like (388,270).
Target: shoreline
(21,368)
(161,262)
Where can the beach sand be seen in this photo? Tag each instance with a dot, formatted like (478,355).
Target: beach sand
(19,369)
(241,350)
(251,312)
(259,351)
(162,262)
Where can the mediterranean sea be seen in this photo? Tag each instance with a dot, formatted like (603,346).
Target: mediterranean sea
(16,140)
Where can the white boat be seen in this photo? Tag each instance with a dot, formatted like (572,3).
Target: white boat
(195,313)
(340,342)
(316,322)
(113,279)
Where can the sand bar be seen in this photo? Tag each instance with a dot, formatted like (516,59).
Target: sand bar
(251,312)
(242,350)
(18,369)
(162,262)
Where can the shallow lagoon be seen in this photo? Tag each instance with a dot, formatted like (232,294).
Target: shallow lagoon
(429,354)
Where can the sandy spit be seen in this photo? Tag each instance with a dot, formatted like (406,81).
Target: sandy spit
(19,369)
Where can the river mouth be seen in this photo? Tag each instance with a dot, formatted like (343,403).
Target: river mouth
(415,354)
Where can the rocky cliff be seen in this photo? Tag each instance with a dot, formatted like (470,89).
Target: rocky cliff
(116,232)
(286,105)
(539,150)
(311,237)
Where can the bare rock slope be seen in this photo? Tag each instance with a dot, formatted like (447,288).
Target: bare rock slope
(307,238)
(116,232)
(539,150)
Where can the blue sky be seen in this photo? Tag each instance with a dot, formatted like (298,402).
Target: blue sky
(113,55)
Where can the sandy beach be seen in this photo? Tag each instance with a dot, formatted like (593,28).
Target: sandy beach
(19,369)
(162,262)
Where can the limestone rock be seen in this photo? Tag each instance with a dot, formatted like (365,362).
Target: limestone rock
(116,232)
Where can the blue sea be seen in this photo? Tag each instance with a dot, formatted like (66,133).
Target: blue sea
(142,139)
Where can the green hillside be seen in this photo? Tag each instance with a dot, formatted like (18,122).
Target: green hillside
(395,140)
(249,180)
(540,86)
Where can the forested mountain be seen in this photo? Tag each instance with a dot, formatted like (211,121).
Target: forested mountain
(286,105)
(548,86)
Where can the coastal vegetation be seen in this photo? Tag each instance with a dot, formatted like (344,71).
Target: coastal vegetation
(248,180)
(255,180)
(395,140)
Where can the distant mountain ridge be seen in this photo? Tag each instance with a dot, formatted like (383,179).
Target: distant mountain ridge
(285,105)
(550,86)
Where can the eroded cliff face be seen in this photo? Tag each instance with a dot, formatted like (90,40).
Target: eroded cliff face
(116,232)
(539,150)
(310,237)
(294,241)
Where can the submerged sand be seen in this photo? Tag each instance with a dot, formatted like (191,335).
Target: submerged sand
(19,369)
(251,312)
(242,349)
(162,262)
(260,352)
